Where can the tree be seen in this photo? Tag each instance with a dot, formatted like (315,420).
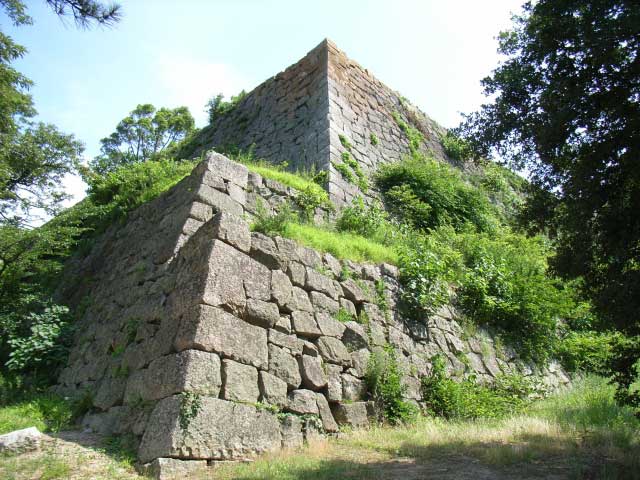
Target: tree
(567,109)
(141,134)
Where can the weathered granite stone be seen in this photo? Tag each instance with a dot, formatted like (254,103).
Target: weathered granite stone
(360,361)
(351,414)
(299,301)
(291,342)
(239,382)
(232,230)
(302,402)
(353,388)
(227,169)
(348,306)
(304,324)
(21,441)
(334,382)
(173,468)
(321,283)
(221,202)
(322,302)
(353,291)
(328,422)
(292,436)
(272,389)
(297,274)
(220,430)
(313,376)
(284,324)
(280,288)
(264,250)
(207,328)
(237,193)
(309,257)
(328,325)
(262,314)
(332,264)
(355,336)
(333,350)
(110,393)
(188,371)
(284,366)
(287,249)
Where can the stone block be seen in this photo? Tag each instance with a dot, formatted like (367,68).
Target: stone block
(21,441)
(351,414)
(233,230)
(239,382)
(188,371)
(281,288)
(333,351)
(284,366)
(220,430)
(328,325)
(214,330)
(292,436)
(173,468)
(353,291)
(328,422)
(272,389)
(262,314)
(264,250)
(221,202)
(299,301)
(360,361)
(297,274)
(334,382)
(227,169)
(355,336)
(291,342)
(304,324)
(324,303)
(302,402)
(353,388)
(315,281)
(313,376)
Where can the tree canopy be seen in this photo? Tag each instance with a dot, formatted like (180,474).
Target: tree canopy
(141,134)
(567,109)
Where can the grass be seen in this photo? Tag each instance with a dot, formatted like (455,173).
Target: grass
(341,245)
(577,433)
(49,413)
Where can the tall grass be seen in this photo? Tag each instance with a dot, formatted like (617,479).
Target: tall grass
(342,245)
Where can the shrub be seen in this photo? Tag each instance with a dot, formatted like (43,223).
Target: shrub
(428,267)
(275,224)
(587,351)
(217,106)
(44,348)
(445,397)
(369,221)
(428,194)
(505,286)
(456,148)
(384,384)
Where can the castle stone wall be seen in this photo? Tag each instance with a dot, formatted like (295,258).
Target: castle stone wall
(196,331)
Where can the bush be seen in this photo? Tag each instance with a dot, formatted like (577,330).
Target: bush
(44,347)
(445,397)
(587,351)
(384,384)
(369,221)
(429,194)
(275,224)
(217,106)
(506,287)
(456,148)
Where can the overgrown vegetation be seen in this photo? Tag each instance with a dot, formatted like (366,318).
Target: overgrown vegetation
(384,385)
(216,107)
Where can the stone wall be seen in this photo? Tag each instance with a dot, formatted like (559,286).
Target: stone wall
(299,115)
(211,342)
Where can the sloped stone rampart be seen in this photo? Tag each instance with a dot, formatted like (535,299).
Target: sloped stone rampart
(196,330)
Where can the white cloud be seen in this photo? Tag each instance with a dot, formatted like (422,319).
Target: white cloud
(191,82)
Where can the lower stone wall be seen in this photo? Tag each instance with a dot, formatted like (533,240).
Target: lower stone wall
(230,345)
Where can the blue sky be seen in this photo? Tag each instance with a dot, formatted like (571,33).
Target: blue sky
(172,53)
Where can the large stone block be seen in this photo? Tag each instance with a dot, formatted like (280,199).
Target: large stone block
(313,376)
(214,330)
(272,389)
(351,414)
(302,402)
(173,468)
(333,350)
(232,230)
(284,366)
(304,324)
(227,169)
(239,382)
(219,430)
(187,371)
(263,314)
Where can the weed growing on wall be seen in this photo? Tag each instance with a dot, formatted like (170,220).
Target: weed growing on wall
(384,385)
(190,405)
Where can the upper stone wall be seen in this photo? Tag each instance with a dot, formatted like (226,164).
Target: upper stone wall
(299,115)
